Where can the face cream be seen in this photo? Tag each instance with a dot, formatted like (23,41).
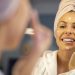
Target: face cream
(29,31)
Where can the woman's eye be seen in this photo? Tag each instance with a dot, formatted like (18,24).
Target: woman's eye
(62,26)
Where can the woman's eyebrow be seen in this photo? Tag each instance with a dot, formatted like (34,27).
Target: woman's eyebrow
(61,22)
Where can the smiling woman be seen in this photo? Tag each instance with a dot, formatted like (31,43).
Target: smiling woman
(60,62)
(65,33)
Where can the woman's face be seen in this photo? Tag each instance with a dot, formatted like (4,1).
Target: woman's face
(65,32)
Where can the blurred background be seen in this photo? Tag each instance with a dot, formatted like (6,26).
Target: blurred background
(47,10)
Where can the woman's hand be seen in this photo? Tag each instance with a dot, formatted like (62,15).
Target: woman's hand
(42,37)
(41,42)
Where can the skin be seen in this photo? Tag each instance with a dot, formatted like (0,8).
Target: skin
(12,29)
(17,25)
(65,29)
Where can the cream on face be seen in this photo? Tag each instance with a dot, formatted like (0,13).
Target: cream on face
(65,32)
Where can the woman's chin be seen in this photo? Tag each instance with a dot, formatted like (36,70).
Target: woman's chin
(69,47)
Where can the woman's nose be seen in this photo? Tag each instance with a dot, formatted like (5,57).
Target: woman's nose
(68,31)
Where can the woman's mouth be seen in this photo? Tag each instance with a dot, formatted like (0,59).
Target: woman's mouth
(68,40)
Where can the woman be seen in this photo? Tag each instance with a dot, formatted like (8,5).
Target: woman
(14,18)
(60,62)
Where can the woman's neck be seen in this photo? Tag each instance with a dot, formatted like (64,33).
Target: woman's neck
(65,55)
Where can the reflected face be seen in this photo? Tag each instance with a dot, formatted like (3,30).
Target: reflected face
(13,30)
(65,32)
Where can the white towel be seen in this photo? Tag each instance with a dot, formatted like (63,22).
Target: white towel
(47,65)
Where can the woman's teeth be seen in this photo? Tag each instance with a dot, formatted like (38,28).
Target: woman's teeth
(68,40)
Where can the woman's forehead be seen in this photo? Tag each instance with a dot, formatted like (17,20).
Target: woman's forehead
(68,17)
